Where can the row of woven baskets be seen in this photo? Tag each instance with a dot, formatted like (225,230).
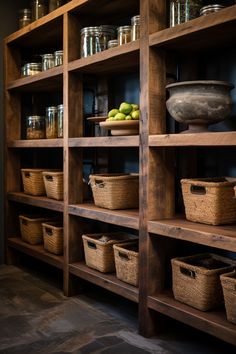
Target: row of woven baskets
(112,252)
(37,230)
(205,281)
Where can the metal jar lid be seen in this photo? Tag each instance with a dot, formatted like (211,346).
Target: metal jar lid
(58,52)
(124,28)
(211,8)
(135,20)
(108,29)
(37,66)
(60,107)
(35,118)
(90,30)
(48,56)
(112,43)
(26,12)
(51,109)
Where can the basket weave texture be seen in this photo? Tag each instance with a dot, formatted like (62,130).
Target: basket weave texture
(196,280)
(31,229)
(126,262)
(210,200)
(33,181)
(53,237)
(113,191)
(99,255)
(228,282)
(53,184)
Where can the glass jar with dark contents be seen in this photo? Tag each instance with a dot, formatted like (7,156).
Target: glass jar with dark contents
(184,10)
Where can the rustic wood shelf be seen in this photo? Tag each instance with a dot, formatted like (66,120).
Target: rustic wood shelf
(107,281)
(212,322)
(223,237)
(41,202)
(109,141)
(36,251)
(36,143)
(127,218)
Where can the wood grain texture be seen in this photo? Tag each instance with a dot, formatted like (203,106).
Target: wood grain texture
(107,141)
(35,143)
(41,202)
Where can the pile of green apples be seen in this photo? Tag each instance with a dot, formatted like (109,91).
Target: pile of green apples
(126,111)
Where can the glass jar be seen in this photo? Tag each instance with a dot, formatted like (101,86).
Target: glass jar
(90,41)
(112,43)
(48,61)
(211,8)
(58,56)
(24,17)
(51,122)
(38,9)
(54,4)
(135,22)
(183,11)
(31,69)
(35,127)
(124,34)
(107,33)
(60,110)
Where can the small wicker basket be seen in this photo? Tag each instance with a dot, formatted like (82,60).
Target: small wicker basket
(53,237)
(210,200)
(196,280)
(228,282)
(126,262)
(33,181)
(98,249)
(53,184)
(31,228)
(115,191)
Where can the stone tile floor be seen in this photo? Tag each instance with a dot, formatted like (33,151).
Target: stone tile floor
(35,317)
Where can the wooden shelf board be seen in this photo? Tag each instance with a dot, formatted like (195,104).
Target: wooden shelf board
(109,61)
(41,202)
(47,80)
(36,143)
(212,322)
(200,139)
(127,218)
(204,32)
(223,237)
(107,281)
(106,141)
(36,251)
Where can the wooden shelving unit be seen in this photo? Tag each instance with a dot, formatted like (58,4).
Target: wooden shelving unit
(158,224)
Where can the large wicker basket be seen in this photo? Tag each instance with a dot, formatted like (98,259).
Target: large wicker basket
(196,280)
(98,249)
(228,282)
(33,181)
(31,228)
(126,262)
(210,200)
(53,237)
(53,184)
(114,191)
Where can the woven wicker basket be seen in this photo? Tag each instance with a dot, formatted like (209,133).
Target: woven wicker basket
(33,181)
(99,254)
(196,280)
(31,228)
(228,282)
(53,237)
(114,191)
(53,184)
(126,262)
(210,200)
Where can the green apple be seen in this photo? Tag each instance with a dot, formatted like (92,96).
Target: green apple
(113,112)
(125,108)
(135,107)
(135,114)
(120,116)
(128,117)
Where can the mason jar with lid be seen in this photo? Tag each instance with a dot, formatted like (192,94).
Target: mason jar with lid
(35,127)
(39,9)
(90,41)
(51,122)
(183,11)
(107,32)
(124,34)
(31,69)
(135,22)
(205,10)
(60,110)
(48,61)
(112,43)
(58,55)
(24,17)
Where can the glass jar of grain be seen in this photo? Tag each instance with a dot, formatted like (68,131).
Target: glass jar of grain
(48,61)
(60,111)
(51,122)
(135,33)
(124,34)
(35,127)
(183,11)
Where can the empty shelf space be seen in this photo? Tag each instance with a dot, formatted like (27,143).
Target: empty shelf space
(36,143)
(107,141)
(42,202)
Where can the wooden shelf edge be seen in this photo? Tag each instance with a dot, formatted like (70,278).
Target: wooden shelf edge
(42,202)
(106,141)
(223,237)
(197,139)
(213,322)
(127,218)
(36,251)
(36,143)
(107,281)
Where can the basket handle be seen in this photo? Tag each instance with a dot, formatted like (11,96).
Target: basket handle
(200,190)
(124,256)
(27,174)
(189,273)
(92,245)
(48,231)
(97,183)
(49,178)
